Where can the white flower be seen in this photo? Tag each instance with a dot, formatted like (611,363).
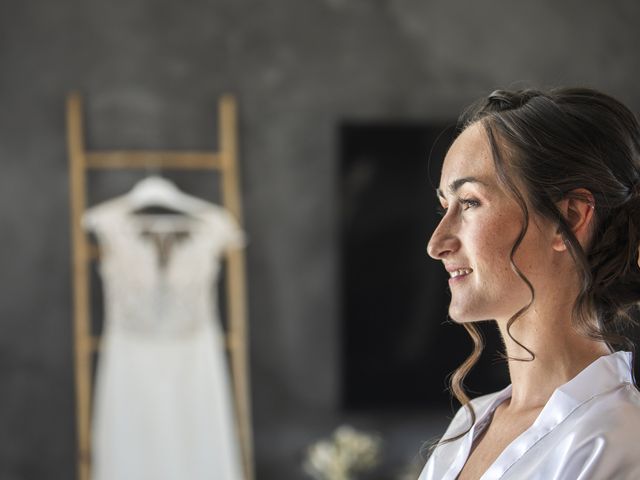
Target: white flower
(347,453)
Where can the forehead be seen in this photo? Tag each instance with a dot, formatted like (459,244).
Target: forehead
(468,156)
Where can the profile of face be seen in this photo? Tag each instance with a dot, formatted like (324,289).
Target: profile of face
(474,238)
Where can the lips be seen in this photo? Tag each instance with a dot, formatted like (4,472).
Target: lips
(460,272)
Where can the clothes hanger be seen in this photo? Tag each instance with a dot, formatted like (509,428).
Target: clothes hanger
(163,210)
(159,195)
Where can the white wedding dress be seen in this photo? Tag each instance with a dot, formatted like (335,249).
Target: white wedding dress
(162,399)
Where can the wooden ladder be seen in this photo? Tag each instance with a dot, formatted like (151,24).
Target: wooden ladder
(84,252)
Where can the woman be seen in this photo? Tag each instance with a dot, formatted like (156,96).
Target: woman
(540,233)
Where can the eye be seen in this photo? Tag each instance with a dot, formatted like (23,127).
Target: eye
(468,203)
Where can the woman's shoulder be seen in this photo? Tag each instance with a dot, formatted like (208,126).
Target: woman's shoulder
(610,414)
(596,440)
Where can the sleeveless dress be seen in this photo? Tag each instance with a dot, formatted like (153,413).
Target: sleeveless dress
(162,399)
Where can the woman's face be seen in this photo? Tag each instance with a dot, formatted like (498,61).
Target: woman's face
(477,232)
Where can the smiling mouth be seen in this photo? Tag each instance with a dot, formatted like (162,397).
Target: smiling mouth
(461,272)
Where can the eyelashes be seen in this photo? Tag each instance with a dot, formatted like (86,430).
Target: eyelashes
(466,204)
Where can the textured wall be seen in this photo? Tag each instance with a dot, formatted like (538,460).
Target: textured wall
(151,72)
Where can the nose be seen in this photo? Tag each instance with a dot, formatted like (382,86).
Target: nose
(443,241)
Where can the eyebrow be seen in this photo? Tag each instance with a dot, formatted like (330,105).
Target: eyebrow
(456,184)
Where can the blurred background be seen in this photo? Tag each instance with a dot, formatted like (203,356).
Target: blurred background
(345,109)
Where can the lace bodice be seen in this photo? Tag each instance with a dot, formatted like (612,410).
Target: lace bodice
(160,271)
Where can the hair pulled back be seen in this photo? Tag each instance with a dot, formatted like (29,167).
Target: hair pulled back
(555,142)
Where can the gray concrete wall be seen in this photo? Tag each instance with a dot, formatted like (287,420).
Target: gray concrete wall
(151,72)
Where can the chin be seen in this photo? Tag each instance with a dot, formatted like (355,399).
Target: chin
(466,315)
(460,321)
(459,317)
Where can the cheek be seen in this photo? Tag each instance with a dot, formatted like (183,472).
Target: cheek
(492,243)
(534,258)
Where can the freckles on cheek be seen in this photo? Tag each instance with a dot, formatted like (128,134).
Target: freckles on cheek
(497,248)
(495,236)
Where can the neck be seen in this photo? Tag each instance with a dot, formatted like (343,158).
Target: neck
(560,354)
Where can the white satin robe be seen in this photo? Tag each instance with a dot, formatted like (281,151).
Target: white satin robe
(589,429)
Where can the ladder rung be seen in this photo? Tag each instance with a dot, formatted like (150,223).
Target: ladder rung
(133,159)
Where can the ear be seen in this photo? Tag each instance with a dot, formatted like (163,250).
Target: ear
(578,209)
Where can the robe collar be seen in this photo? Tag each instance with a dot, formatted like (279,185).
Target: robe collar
(601,376)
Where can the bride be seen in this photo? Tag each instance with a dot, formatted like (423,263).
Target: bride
(540,196)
